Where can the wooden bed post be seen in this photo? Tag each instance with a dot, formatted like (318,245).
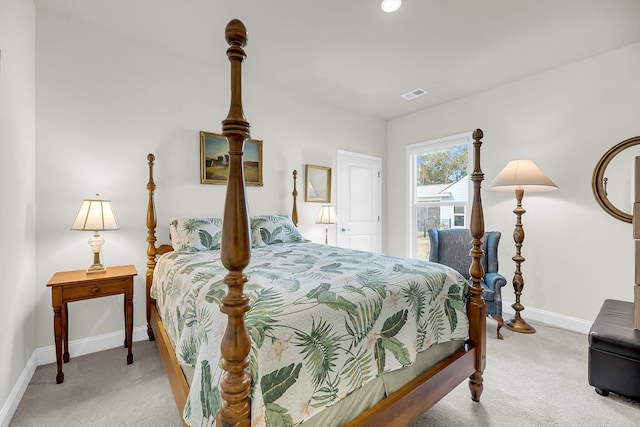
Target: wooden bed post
(151,240)
(294,211)
(476,309)
(235,249)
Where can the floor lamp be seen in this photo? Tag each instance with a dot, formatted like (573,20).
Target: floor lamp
(520,176)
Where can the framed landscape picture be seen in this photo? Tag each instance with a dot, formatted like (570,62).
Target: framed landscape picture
(214,160)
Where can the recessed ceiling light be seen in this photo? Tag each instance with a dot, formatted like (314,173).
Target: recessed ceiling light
(414,94)
(390,5)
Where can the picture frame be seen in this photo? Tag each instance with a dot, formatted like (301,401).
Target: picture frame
(214,160)
(317,187)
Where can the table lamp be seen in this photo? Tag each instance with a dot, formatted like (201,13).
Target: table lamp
(326,216)
(95,215)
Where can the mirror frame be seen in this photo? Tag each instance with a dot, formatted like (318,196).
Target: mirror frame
(598,180)
(323,184)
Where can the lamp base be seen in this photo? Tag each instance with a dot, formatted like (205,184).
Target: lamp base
(518,324)
(96,268)
(96,241)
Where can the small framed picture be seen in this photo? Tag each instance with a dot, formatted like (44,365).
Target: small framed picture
(214,160)
(317,184)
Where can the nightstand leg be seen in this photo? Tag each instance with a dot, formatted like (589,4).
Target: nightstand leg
(128,325)
(125,322)
(57,332)
(65,333)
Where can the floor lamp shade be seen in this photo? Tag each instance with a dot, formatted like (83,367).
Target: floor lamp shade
(524,174)
(95,215)
(520,176)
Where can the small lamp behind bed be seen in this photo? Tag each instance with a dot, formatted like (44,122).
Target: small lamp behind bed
(95,215)
(326,216)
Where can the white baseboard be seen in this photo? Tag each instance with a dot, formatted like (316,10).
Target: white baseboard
(89,345)
(549,318)
(46,355)
(10,406)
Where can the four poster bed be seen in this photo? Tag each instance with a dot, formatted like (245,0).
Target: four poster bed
(258,326)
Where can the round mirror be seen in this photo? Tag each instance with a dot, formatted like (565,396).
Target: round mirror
(613,179)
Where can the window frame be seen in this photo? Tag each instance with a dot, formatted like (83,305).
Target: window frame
(412,151)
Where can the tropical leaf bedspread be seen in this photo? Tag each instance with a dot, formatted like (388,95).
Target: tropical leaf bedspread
(324,321)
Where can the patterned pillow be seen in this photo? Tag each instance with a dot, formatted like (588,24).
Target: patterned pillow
(195,234)
(270,229)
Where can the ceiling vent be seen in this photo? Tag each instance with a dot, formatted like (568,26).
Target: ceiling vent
(414,94)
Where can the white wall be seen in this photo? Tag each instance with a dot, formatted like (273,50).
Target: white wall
(564,120)
(17,175)
(105,101)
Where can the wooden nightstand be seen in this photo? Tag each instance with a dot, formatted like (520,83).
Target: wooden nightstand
(69,286)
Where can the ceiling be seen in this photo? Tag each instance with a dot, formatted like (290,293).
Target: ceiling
(350,54)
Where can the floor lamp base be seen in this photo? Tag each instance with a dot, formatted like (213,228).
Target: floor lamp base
(519,325)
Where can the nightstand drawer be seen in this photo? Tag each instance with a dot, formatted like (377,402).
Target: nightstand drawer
(90,290)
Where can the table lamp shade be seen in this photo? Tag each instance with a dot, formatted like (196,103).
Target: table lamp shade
(327,215)
(95,215)
(521,174)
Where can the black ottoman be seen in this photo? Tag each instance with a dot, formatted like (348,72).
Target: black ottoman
(614,351)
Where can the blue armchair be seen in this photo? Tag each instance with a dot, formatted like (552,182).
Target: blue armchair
(451,248)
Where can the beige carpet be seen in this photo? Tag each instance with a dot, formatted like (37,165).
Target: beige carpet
(530,380)
(534,380)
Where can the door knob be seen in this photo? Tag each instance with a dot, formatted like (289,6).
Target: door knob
(346,229)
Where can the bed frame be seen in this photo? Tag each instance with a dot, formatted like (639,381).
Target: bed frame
(398,409)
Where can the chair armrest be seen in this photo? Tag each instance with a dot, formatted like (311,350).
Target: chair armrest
(495,281)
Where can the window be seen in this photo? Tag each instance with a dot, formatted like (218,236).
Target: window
(438,188)
(459,216)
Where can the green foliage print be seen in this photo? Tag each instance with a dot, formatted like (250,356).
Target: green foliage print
(323,295)
(188,351)
(387,341)
(320,349)
(326,394)
(209,394)
(357,369)
(435,322)
(455,302)
(208,241)
(374,280)
(269,237)
(264,307)
(361,322)
(416,297)
(193,225)
(216,291)
(273,386)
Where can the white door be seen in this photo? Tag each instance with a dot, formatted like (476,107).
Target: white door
(358,201)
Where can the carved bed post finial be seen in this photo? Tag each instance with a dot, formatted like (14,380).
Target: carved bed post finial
(476,309)
(294,212)
(235,249)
